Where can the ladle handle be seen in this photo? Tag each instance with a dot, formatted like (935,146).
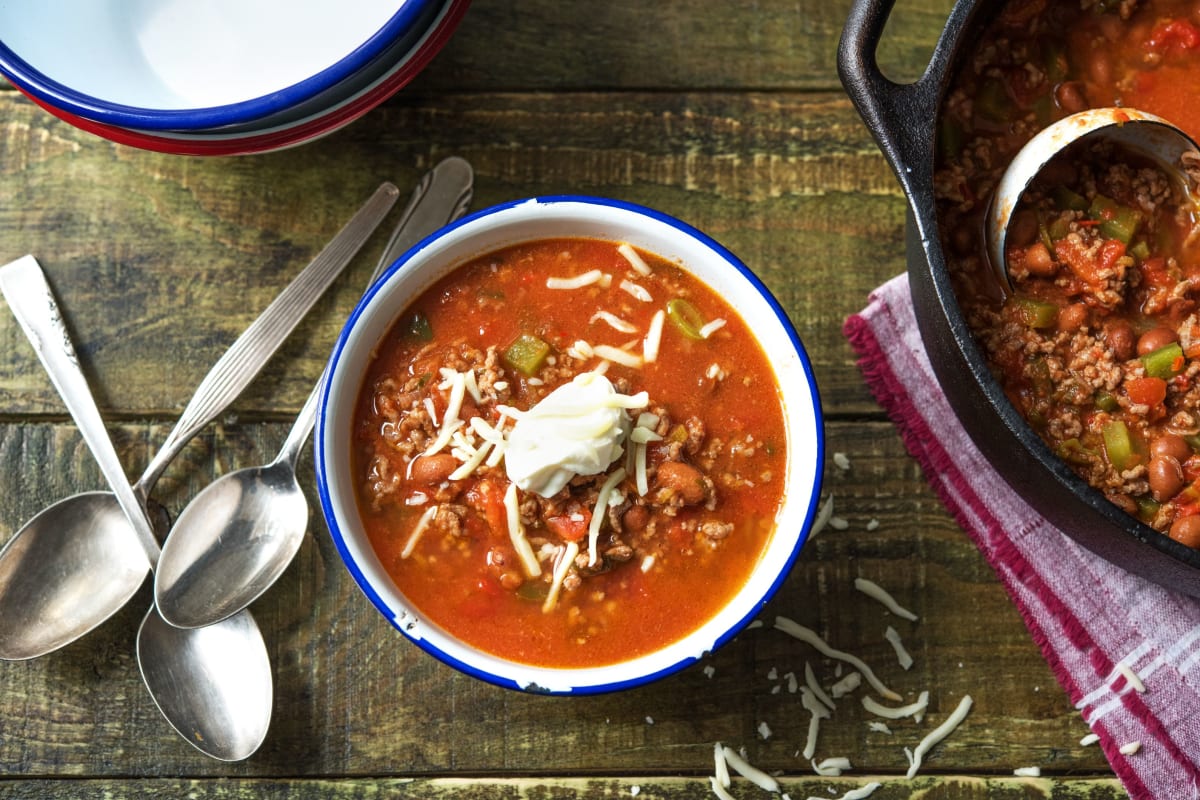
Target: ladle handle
(251,351)
(32,303)
(442,196)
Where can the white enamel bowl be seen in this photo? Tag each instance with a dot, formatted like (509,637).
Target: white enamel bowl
(344,103)
(541,218)
(192,66)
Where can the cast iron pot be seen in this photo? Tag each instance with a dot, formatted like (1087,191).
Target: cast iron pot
(903,120)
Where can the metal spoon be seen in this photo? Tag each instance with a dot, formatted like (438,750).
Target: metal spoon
(235,538)
(75,564)
(213,685)
(1144,133)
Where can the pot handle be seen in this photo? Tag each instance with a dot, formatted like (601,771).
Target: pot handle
(901,117)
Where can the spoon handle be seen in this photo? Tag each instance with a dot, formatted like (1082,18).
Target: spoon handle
(442,196)
(32,303)
(246,356)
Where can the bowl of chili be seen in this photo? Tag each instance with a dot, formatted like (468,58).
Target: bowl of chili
(1010,363)
(569,445)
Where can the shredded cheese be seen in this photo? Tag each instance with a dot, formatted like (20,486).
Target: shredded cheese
(516,534)
(1090,739)
(937,734)
(795,629)
(598,513)
(823,515)
(635,291)
(831,767)
(810,679)
(1132,678)
(653,340)
(879,727)
(615,322)
(618,356)
(720,791)
(1028,772)
(710,328)
(756,776)
(418,530)
(576,282)
(1130,748)
(912,709)
(902,655)
(817,712)
(877,592)
(721,768)
(635,260)
(565,559)
(846,685)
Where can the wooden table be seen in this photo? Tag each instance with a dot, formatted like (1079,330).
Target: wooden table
(727,115)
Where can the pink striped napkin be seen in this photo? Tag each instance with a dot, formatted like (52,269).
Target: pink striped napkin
(1127,651)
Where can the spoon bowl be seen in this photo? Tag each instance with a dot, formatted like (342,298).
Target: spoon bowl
(92,574)
(261,515)
(1144,133)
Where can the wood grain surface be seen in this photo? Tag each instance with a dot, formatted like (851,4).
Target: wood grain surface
(726,115)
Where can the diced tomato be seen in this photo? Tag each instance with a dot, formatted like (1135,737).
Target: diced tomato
(1147,391)
(1173,33)
(570,527)
(487,497)
(1191,468)
(1076,256)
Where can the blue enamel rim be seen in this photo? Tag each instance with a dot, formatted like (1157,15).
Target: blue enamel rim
(321,456)
(50,91)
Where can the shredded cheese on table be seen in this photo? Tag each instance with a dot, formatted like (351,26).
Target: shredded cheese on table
(874,590)
(795,629)
(902,655)
(910,710)
(937,734)
(750,773)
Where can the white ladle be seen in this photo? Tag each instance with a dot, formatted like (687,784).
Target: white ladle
(1144,133)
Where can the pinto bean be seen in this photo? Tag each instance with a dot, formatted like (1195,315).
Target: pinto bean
(635,519)
(1072,317)
(1070,97)
(1155,338)
(684,479)
(1171,444)
(1039,261)
(428,470)
(1120,339)
(1165,477)
(1186,530)
(1023,230)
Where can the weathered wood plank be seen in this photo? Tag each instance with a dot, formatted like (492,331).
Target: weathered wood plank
(354,698)
(597,788)
(160,261)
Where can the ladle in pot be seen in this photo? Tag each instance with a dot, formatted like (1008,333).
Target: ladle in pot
(1141,132)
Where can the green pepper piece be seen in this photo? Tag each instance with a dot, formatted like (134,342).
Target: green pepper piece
(1035,313)
(1072,451)
(992,101)
(1118,445)
(1166,362)
(1140,250)
(1116,221)
(685,317)
(1147,507)
(1059,228)
(1106,401)
(417,328)
(526,354)
(1067,200)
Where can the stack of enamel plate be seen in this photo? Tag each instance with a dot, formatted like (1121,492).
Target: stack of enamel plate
(218,77)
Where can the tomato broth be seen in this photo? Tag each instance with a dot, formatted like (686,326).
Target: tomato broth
(578,565)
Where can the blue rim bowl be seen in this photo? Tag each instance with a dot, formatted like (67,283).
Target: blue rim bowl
(45,82)
(550,217)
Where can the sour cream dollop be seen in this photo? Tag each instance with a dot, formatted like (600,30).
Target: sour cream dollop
(578,429)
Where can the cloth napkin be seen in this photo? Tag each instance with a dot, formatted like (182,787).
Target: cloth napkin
(1126,651)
